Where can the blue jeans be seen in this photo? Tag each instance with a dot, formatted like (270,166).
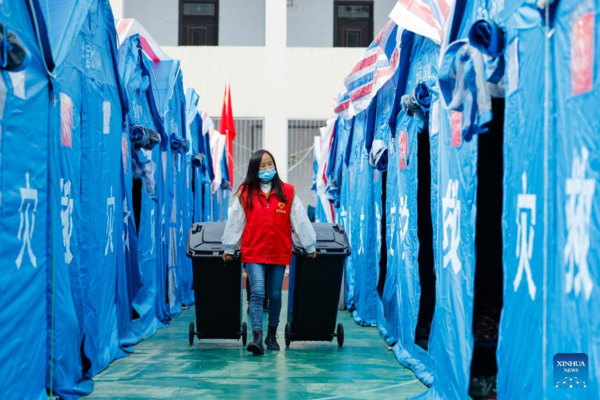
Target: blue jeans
(256,273)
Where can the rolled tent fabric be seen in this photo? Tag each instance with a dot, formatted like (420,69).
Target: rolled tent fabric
(487,37)
(573,291)
(24,221)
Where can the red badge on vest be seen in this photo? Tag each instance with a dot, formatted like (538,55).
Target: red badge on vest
(582,54)
(281,208)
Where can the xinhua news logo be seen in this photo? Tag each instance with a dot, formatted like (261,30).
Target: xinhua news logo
(570,370)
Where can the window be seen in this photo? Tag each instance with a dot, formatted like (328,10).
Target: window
(353,23)
(199,22)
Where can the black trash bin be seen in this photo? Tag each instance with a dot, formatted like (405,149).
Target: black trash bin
(314,289)
(217,286)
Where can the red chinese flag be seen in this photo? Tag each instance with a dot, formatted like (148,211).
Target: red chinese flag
(227,127)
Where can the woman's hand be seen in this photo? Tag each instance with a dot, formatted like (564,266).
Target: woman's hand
(227,257)
(313,255)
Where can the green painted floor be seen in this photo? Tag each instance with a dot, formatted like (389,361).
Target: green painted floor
(166,366)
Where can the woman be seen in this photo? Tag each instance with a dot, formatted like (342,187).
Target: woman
(263,215)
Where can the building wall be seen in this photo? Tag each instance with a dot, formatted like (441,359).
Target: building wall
(310,22)
(313,77)
(159,17)
(381,13)
(241,22)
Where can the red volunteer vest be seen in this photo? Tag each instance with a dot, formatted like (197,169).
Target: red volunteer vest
(267,237)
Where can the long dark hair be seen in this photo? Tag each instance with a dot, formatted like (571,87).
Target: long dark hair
(251,184)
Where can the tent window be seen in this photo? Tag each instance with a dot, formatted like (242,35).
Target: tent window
(353,23)
(136,197)
(488,300)
(425,234)
(199,23)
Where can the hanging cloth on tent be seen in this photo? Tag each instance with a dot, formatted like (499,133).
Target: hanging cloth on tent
(465,89)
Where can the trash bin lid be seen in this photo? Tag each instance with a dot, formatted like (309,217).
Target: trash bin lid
(331,240)
(213,233)
(204,239)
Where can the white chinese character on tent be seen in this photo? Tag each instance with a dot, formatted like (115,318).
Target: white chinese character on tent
(110,221)
(392,229)
(579,209)
(126,214)
(526,205)
(404,217)
(29,198)
(361,249)
(451,214)
(66,218)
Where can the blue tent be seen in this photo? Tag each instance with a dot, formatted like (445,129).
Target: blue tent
(573,276)
(362,262)
(24,106)
(518,376)
(454,192)
(344,214)
(402,291)
(551,286)
(186,199)
(97,105)
(143,120)
(170,100)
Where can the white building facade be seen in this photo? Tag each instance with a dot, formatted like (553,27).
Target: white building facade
(286,60)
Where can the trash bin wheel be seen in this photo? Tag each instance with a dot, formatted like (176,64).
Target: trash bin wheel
(288,334)
(244,333)
(192,333)
(340,335)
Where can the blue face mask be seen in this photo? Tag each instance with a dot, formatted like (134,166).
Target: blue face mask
(267,175)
